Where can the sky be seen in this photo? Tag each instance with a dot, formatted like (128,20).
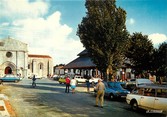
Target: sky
(49,27)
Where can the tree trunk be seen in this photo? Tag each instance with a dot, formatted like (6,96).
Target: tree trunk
(109,73)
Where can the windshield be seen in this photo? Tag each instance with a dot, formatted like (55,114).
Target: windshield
(117,85)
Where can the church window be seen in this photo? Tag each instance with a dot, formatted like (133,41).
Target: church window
(40,66)
(28,66)
(9,54)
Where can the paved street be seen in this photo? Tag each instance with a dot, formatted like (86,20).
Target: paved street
(49,100)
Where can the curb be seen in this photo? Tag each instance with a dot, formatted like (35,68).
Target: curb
(3,110)
(5,107)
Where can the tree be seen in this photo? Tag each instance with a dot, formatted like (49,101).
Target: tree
(159,61)
(140,52)
(103,33)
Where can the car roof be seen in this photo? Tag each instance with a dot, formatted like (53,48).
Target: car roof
(153,86)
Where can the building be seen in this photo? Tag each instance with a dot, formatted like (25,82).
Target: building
(16,60)
(82,65)
(40,65)
(58,70)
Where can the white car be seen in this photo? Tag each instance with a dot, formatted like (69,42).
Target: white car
(152,98)
(80,79)
(94,80)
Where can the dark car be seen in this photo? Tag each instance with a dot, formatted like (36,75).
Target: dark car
(114,90)
(10,78)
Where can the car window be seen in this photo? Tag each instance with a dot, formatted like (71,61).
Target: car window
(162,93)
(133,80)
(106,85)
(149,92)
(119,85)
(123,86)
(114,85)
(138,91)
(111,85)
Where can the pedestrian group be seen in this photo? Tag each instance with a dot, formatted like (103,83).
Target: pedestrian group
(71,83)
(100,87)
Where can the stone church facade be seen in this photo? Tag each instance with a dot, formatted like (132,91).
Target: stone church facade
(16,60)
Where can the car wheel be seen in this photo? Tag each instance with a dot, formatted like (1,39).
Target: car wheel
(111,96)
(16,81)
(134,105)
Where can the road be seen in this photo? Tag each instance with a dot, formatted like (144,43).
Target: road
(48,99)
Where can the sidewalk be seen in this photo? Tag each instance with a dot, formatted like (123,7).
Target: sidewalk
(3,109)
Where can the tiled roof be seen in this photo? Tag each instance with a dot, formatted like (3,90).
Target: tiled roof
(80,62)
(84,52)
(39,56)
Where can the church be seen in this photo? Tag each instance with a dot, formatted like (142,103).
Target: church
(16,60)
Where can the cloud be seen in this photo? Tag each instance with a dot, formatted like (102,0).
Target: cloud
(157,38)
(5,24)
(131,21)
(22,8)
(43,34)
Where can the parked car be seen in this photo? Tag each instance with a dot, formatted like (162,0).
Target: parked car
(56,77)
(150,97)
(119,90)
(94,80)
(114,90)
(80,79)
(10,78)
(62,79)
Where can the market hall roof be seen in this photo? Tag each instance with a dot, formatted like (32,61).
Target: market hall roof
(83,61)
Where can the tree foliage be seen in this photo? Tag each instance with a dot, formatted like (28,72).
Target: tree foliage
(159,62)
(103,33)
(140,52)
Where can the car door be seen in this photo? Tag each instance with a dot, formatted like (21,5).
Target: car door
(147,100)
(107,89)
(161,100)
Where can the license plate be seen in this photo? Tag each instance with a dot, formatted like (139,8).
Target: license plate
(154,111)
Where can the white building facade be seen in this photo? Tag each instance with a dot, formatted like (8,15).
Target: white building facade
(14,59)
(40,65)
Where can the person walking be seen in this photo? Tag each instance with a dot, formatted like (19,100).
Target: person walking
(73,84)
(88,84)
(67,84)
(33,81)
(100,93)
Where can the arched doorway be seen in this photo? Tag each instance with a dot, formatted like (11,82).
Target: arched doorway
(8,70)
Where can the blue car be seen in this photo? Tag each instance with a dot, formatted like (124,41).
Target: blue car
(9,78)
(114,90)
